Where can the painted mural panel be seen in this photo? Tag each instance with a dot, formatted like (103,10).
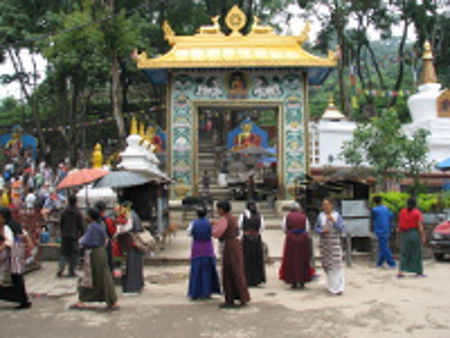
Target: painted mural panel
(281,86)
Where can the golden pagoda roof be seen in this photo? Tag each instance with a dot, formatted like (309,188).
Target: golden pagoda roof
(211,48)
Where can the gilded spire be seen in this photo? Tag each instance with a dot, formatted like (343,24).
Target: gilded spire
(428,72)
(142,130)
(331,100)
(332,113)
(97,157)
(134,126)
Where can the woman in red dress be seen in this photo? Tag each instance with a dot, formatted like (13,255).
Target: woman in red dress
(296,263)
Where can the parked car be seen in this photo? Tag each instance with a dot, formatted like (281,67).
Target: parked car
(440,240)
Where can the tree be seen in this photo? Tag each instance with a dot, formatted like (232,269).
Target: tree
(379,144)
(415,156)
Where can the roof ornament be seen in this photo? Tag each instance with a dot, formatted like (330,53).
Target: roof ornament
(304,35)
(212,29)
(260,29)
(169,34)
(235,20)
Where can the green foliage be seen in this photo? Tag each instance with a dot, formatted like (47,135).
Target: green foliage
(379,144)
(384,147)
(396,201)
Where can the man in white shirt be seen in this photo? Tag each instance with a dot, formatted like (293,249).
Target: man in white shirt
(30,199)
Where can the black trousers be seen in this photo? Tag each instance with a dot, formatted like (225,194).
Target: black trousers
(69,254)
(16,292)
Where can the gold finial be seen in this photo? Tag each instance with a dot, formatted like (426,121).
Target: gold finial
(427,51)
(331,100)
(142,130)
(97,157)
(235,20)
(428,72)
(134,126)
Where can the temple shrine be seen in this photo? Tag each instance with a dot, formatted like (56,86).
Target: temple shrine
(235,97)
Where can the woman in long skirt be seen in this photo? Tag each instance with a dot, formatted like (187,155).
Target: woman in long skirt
(97,284)
(233,274)
(251,223)
(412,236)
(296,263)
(203,277)
(12,249)
(329,226)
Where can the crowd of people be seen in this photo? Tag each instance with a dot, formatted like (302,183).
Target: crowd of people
(243,254)
(25,185)
(106,247)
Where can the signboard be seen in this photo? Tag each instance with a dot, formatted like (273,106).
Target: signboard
(356,208)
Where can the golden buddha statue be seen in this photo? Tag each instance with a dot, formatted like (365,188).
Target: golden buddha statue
(14,146)
(246,138)
(97,157)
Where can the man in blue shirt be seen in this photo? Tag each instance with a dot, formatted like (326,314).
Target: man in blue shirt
(381,218)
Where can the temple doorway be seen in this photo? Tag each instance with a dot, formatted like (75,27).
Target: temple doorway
(237,152)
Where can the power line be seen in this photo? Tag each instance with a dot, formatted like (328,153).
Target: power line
(52,34)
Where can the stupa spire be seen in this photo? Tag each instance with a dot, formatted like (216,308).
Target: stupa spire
(428,72)
(134,126)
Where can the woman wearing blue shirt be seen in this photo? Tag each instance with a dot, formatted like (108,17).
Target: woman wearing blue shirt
(97,284)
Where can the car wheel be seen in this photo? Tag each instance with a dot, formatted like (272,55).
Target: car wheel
(439,256)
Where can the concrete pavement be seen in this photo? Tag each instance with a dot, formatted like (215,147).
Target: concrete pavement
(375,304)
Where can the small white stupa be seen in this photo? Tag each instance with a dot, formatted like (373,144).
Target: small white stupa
(430,109)
(139,156)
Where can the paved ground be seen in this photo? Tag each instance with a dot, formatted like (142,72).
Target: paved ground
(375,304)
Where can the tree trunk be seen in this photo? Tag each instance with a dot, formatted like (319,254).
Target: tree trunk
(116,90)
(117,98)
(18,68)
(401,67)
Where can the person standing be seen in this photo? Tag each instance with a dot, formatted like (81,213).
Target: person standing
(329,226)
(97,284)
(203,278)
(412,236)
(12,260)
(206,182)
(381,218)
(296,262)
(233,274)
(251,188)
(251,223)
(111,230)
(133,278)
(30,199)
(72,228)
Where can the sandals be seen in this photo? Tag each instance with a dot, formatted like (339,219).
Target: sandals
(77,306)
(111,308)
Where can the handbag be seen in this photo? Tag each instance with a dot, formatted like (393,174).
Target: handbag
(143,241)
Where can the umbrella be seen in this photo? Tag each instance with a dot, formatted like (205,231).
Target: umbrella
(444,165)
(255,151)
(81,177)
(122,179)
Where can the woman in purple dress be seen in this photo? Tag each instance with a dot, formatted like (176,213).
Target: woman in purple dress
(203,277)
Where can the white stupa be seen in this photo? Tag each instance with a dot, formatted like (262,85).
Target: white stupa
(430,109)
(139,156)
